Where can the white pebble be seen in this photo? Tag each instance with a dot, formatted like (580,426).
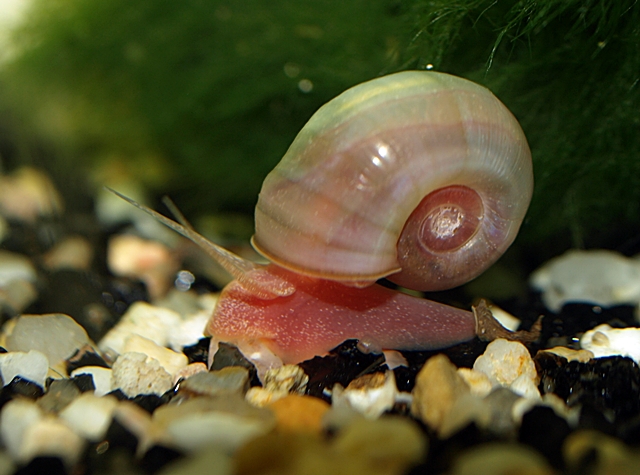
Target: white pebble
(89,416)
(155,323)
(135,374)
(56,335)
(18,295)
(525,386)
(33,366)
(171,361)
(604,340)
(101,378)
(226,423)
(51,437)
(600,277)
(17,415)
(15,267)
(505,361)
(370,395)
(189,331)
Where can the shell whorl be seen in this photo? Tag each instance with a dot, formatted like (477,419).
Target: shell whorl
(337,203)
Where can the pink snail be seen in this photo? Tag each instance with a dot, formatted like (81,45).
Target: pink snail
(420,177)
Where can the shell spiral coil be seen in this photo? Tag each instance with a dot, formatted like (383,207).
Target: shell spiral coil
(420,176)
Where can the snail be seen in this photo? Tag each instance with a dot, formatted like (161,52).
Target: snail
(420,177)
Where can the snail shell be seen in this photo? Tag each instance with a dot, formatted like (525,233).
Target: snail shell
(421,176)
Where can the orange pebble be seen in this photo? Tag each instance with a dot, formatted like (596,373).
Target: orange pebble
(296,413)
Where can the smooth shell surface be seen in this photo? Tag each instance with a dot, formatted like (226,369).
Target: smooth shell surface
(335,206)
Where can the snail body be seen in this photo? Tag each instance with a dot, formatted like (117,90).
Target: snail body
(321,314)
(420,177)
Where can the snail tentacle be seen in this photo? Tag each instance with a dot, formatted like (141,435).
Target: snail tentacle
(419,176)
(252,276)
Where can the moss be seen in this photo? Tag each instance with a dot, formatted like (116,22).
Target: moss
(213,89)
(212,86)
(569,70)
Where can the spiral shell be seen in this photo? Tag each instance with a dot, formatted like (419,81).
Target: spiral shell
(337,203)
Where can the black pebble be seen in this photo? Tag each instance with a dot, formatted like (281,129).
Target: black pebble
(462,355)
(85,357)
(20,387)
(607,389)
(198,352)
(84,382)
(545,431)
(150,402)
(157,457)
(42,466)
(95,302)
(343,364)
(119,437)
(229,355)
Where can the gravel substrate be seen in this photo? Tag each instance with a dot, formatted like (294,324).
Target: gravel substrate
(106,370)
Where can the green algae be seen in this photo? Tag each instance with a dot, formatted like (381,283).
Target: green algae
(216,91)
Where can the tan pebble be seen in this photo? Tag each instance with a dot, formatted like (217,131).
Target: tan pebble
(501,459)
(74,252)
(288,378)
(384,446)
(478,382)
(466,409)
(150,261)
(135,374)
(31,365)
(101,378)
(17,416)
(232,380)
(210,461)
(189,370)
(260,397)
(28,193)
(604,454)
(570,354)
(277,383)
(285,453)
(17,295)
(296,413)
(390,444)
(438,385)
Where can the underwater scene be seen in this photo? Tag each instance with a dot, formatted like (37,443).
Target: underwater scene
(271,237)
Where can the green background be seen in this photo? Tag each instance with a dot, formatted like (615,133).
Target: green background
(199,99)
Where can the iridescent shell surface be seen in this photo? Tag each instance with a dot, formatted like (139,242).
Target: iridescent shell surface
(336,204)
